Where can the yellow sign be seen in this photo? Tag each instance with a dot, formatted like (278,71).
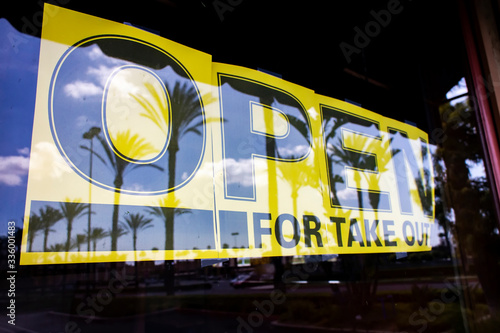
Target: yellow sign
(143,149)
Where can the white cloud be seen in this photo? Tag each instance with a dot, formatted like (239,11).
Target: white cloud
(101,73)
(96,54)
(24,151)
(347,194)
(239,171)
(135,187)
(47,162)
(13,169)
(125,85)
(79,89)
(297,151)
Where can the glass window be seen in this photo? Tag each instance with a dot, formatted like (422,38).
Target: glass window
(142,244)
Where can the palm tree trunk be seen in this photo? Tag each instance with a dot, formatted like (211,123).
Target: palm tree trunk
(68,239)
(169,229)
(45,236)
(136,271)
(114,228)
(116,208)
(172,161)
(169,279)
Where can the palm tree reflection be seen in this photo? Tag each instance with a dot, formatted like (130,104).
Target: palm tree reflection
(360,270)
(184,117)
(135,223)
(71,211)
(135,149)
(97,234)
(79,240)
(35,226)
(90,135)
(49,217)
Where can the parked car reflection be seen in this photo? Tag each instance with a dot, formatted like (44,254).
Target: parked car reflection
(251,280)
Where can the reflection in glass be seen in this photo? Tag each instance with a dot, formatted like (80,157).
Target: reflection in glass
(468,213)
(87,74)
(339,129)
(233,229)
(393,292)
(34,227)
(49,216)
(193,228)
(135,223)
(70,211)
(137,148)
(256,127)
(90,135)
(97,234)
